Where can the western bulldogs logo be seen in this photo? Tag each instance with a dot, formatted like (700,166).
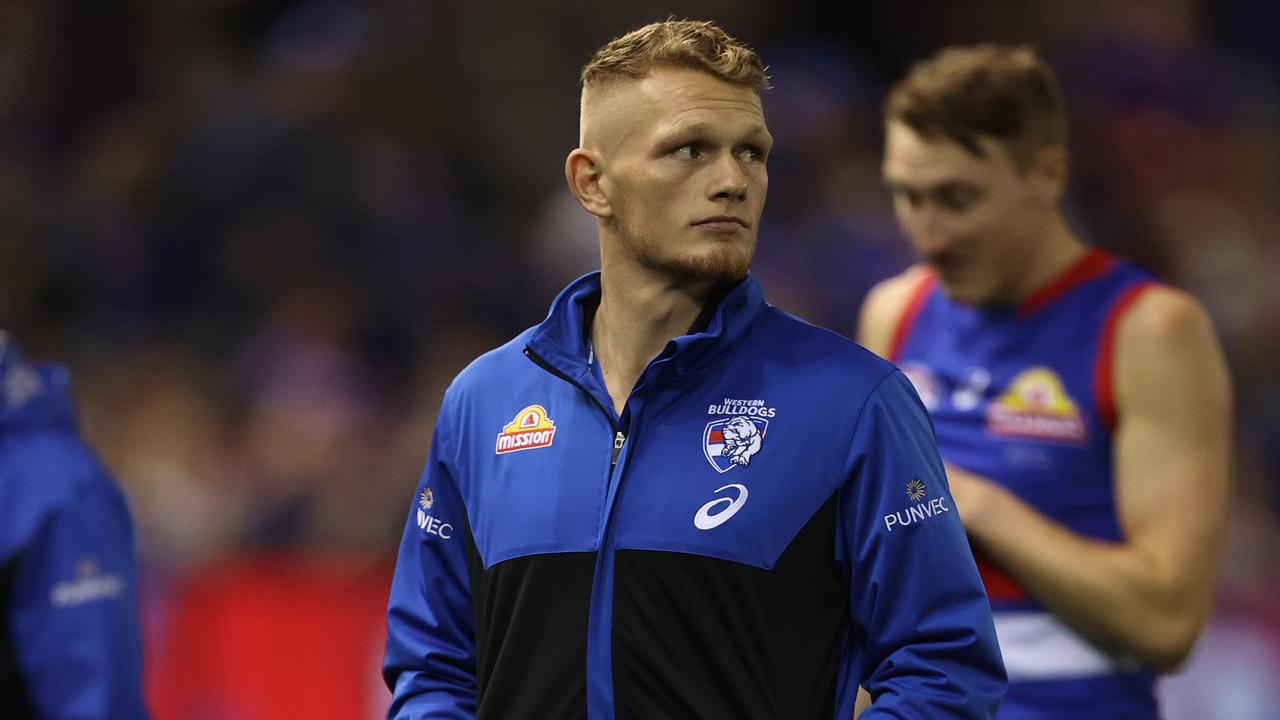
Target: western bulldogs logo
(733,441)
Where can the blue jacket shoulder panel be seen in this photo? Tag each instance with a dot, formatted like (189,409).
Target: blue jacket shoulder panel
(828,359)
(42,472)
(67,542)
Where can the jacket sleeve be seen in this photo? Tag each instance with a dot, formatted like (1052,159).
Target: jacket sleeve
(430,663)
(920,613)
(74,610)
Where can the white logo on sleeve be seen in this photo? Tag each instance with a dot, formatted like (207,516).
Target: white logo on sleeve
(90,584)
(429,524)
(726,507)
(919,512)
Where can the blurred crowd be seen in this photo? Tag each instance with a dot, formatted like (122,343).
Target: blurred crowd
(265,235)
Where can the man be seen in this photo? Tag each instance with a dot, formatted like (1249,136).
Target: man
(669,499)
(1083,410)
(69,640)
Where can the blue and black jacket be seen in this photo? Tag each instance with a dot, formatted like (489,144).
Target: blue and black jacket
(69,639)
(764,527)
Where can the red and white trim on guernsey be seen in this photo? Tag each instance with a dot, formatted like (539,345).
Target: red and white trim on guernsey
(1039,646)
(1093,264)
(1103,381)
(907,320)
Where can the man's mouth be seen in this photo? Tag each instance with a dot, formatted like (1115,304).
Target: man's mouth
(723,223)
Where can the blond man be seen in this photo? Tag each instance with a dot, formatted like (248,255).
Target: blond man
(670,499)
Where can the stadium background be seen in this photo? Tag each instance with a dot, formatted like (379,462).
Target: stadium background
(265,235)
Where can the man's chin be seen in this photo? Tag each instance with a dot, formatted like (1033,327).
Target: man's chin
(721,267)
(967,293)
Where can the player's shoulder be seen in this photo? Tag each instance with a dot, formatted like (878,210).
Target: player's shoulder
(884,305)
(494,367)
(898,287)
(1167,358)
(1163,318)
(49,470)
(827,356)
(837,375)
(56,459)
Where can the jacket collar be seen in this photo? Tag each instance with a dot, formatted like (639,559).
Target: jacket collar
(562,339)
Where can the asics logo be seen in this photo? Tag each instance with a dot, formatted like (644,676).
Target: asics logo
(724,507)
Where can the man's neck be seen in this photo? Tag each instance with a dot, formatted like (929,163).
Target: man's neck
(639,314)
(1057,250)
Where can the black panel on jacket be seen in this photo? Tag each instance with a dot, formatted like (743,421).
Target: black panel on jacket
(14,704)
(531,635)
(696,637)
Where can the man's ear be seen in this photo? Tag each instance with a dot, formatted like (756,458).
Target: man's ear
(582,170)
(1050,171)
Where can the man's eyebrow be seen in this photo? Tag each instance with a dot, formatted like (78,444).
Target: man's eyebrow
(755,132)
(933,187)
(897,184)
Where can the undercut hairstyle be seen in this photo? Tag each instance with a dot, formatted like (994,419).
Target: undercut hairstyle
(1007,93)
(690,44)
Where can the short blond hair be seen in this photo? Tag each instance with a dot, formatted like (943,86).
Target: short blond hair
(692,44)
(1006,93)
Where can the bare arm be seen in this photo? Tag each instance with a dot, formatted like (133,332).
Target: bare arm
(1148,595)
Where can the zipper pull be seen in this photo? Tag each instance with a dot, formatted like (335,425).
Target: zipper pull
(618,439)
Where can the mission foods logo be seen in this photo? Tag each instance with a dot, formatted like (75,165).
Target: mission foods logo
(1036,407)
(530,429)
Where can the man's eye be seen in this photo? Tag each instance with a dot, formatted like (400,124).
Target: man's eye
(752,153)
(687,152)
(959,199)
(911,197)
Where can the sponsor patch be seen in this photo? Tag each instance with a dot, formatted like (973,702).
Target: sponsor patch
(531,429)
(1036,407)
(919,512)
(91,584)
(428,523)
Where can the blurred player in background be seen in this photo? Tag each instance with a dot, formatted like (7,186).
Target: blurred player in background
(1082,408)
(669,499)
(69,639)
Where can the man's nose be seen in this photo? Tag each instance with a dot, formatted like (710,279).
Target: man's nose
(926,230)
(730,181)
